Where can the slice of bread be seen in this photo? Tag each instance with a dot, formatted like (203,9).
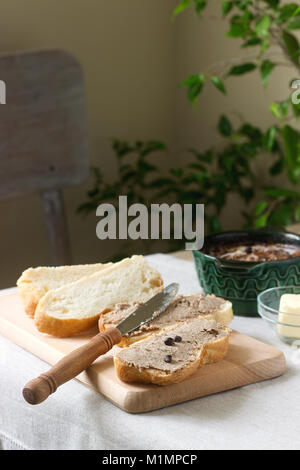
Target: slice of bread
(154,361)
(36,282)
(76,307)
(183,308)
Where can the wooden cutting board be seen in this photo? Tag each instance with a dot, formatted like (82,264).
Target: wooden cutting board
(247,361)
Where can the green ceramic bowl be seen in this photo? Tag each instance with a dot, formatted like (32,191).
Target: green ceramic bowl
(241,281)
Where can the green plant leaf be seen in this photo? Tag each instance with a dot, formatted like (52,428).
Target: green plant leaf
(181,7)
(243,4)
(241,69)
(160,182)
(219,84)
(195,85)
(297,12)
(282,215)
(287,12)
(178,172)
(295,24)
(262,26)
(296,109)
(253,133)
(275,110)
(247,194)
(261,221)
(145,167)
(196,166)
(297,213)
(124,168)
(269,138)
(152,146)
(284,107)
(121,148)
(265,44)
(266,69)
(224,126)
(294,174)
(238,27)
(260,207)
(205,157)
(226,7)
(292,46)
(255,41)
(199,6)
(280,110)
(214,224)
(127,176)
(277,168)
(291,141)
(272,3)
(275,193)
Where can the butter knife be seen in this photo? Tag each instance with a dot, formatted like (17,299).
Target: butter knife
(37,390)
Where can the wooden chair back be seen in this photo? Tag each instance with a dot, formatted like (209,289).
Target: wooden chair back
(43,135)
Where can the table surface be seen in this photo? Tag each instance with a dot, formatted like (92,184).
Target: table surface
(265,415)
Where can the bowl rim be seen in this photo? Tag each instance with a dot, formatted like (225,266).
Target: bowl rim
(276,322)
(249,264)
(273,310)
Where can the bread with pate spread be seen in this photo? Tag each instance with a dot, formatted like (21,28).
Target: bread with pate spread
(183,308)
(174,354)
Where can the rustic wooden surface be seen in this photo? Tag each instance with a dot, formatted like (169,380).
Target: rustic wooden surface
(248,361)
(43,133)
(57,227)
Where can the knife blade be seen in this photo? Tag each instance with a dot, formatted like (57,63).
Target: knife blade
(149,310)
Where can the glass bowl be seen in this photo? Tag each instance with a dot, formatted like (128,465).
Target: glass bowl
(286,325)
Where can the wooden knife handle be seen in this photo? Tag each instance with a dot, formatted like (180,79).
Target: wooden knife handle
(37,390)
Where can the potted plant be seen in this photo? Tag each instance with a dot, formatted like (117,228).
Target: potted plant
(268,27)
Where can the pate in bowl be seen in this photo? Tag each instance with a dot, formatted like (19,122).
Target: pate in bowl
(239,265)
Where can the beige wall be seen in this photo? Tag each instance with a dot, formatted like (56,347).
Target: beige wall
(133,57)
(127,50)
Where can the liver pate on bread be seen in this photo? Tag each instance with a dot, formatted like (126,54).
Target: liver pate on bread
(75,307)
(183,308)
(174,354)
(34,283)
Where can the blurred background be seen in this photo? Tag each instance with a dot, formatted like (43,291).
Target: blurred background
(133,56)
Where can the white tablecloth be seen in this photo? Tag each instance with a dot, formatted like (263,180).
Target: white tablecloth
(265,415)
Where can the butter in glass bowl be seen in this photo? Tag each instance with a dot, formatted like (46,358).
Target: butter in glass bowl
(280,307)
(289,316)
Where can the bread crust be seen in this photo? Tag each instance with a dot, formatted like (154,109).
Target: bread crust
(129,373)
(209,353)
(32,291)
(29,296)
(216,350)
(63,328)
